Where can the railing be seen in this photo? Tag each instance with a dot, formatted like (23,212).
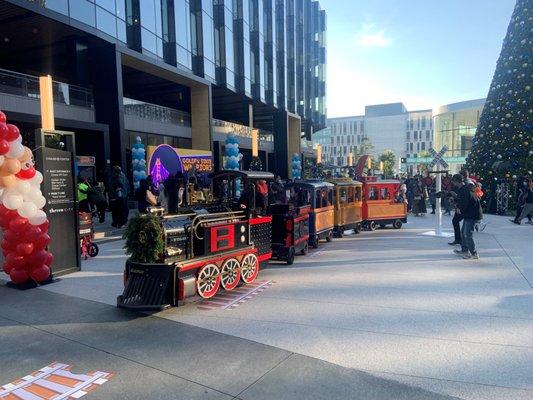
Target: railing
(24,85)
(241,130)
(156,113)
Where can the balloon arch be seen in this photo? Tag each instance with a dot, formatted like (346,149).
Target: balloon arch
(24,223)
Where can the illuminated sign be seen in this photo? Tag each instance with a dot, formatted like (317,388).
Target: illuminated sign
(165,160)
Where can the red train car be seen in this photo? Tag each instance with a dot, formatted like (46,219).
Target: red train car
(380,207)
(290,231)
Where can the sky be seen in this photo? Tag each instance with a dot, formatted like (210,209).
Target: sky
(424,53)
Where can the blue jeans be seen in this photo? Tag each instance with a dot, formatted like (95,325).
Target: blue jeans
(467,235)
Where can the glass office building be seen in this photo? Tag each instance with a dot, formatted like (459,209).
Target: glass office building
(250,62)
(454,127)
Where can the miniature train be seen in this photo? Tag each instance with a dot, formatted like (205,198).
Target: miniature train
(225,242)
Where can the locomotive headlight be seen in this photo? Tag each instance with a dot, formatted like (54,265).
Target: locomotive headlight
(243,239)
(243,229)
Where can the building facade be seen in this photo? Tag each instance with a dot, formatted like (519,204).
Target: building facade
(455,127)
(419,133)
(166,69)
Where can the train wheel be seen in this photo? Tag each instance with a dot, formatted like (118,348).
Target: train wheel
(305,249)
(329,238)
(357,228)
(339,233)
(372,225)
(249,268)
(208,281)
(290,256)
(230,274)
(397,224)
(314,242)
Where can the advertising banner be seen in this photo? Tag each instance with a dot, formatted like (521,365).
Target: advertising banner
(165,160)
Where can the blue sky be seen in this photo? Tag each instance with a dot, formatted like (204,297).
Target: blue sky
(424,53)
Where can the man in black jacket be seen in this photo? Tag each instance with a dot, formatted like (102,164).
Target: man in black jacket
(459,189)
(469,207)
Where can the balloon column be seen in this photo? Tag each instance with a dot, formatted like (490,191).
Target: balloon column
(24,223)
(233,156)
(296,166)
(138,161)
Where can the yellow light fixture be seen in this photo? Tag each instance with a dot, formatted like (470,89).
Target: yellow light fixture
(350,159)
(255,143)
(381,165)
(47,103)
(369,162)
(318,153)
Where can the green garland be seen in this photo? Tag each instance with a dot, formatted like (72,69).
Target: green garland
(144,239)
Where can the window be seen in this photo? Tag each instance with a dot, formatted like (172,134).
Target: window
(318,198)
(423,122)
(411,146)
(344,127)
(423,145)
(343,195)
(361,127)
(355,127)
(83,11)
(385,194)
(408,135)
(418,146)
(416,135)
(351,194)
(427,135)
(358,194)
(407,149)
(373,193)
(106,22)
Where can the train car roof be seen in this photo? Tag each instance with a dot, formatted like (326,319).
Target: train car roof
(243,174)
(383,181)
(344,182)
(310,183)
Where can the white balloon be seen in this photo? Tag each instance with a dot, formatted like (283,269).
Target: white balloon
(15,150)
(38,218)
(37,179)
(12,201)
(27,209)
(40,202)
(18,139)
(23,187)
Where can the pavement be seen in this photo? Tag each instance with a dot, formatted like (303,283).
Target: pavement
(390,314)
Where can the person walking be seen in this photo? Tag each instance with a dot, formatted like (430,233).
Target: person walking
(96,197)
(469,205)
(118,197)
(527,200)
(459,190)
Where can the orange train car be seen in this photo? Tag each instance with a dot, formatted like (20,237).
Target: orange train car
(348,205)
(380,207)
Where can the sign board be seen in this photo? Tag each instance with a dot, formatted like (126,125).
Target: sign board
(165,160)
(438,158)
(59,189)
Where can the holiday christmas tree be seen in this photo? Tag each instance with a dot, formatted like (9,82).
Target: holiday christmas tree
(502,147)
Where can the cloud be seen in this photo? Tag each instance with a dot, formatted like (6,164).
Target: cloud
(369,37)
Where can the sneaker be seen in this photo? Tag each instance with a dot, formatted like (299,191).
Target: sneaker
(475,256)
(466,256)
(514,221)
(460,252)
(455,242)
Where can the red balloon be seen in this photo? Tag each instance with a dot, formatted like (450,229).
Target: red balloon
(4,130)
(11,237)
(19,276)
(4,146)
(3,117)
(40,274)
(7,268)
(18,224)
(26,173)
(37,258)
(32,233)
(8,246)
(44,226)
(24,249)
(16,261)
(12,132)
(42,241)
(49,259)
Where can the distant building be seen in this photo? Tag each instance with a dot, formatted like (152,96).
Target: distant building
(408,134)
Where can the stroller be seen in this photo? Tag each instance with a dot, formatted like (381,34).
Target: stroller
(87,247)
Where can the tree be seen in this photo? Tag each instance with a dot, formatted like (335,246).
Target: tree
(363,149)
(388,158)
(423,168)
(502,146)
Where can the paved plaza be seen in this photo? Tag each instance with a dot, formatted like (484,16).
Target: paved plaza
(390,314)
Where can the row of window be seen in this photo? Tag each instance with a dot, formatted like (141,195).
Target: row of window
(348,127)
(419,123)
(419,135)
(186,33)
(420,146)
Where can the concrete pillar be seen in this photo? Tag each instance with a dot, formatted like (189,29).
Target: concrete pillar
(201,117)
(106,74)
